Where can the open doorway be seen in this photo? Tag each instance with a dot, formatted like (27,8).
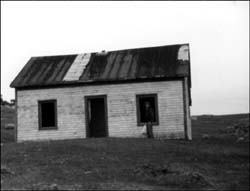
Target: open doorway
(96,116)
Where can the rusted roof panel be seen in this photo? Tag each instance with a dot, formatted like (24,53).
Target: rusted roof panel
(141,63)
(43,71)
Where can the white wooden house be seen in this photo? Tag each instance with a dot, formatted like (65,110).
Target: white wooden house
(102,94)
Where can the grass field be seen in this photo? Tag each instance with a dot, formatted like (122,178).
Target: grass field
(7,116)
(218,162)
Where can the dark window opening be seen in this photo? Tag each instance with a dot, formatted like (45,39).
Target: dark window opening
(147,109)
(47,114)
(96,116)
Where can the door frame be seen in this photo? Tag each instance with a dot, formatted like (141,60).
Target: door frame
(86,99)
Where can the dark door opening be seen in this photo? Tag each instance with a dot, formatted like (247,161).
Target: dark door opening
(96,116)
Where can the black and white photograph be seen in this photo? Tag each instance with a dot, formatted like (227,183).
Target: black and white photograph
(125,95)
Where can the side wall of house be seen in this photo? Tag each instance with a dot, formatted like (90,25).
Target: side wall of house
(121,105)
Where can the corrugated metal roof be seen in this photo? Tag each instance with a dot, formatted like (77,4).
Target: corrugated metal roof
(153,62)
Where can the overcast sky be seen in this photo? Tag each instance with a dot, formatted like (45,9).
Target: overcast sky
(218,34)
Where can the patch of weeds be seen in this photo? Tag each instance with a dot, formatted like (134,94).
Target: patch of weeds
(165,175)
(153,170)
(184,180)
(5,172)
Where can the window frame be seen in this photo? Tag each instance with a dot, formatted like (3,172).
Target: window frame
(138,112)
(40,102)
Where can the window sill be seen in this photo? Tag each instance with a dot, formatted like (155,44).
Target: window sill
(47,128)
(142,124)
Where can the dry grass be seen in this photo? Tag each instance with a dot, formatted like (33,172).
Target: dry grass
(219,162)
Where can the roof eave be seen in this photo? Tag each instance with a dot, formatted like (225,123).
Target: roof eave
(97,82)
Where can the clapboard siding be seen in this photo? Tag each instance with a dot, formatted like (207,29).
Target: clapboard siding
(121,105)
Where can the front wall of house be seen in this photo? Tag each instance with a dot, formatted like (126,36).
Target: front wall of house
(121,105)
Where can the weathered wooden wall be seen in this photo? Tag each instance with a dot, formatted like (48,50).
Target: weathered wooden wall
(121,103)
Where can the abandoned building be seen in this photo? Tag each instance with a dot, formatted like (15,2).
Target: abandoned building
(103,94)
